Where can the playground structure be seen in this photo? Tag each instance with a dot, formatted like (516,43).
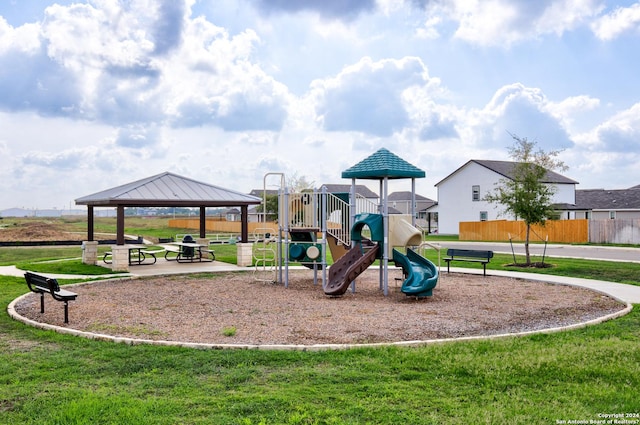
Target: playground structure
(355,230)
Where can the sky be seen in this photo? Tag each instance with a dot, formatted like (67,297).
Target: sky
(98,93)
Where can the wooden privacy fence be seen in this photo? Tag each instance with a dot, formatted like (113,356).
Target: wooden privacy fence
(619,230)
(218,226)
(565,231)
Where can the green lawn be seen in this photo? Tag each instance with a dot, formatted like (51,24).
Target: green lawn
(47,378)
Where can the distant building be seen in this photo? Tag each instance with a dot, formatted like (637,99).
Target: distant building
(34,212)
(602,204)
(401,201)
(461,194)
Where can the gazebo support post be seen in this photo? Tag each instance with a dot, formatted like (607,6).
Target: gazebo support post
(90,224)
(120,253)
(244,217)
(202,239)
(90,247)
(120,225)
(203,222)
(244,249)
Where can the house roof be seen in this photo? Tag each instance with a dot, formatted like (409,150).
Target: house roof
(166,190)
(361,190)
(383,164)
(406,196)
(260,192)
(506,170)
(603,199)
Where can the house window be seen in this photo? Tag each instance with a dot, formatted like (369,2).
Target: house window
(612,215)
(484,216)
(475,193)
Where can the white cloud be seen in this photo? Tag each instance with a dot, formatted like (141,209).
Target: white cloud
(141,62)
(334,9)
(621,133)
(368,96)
(103,92)
(505,22)
(567,110)
(516,109)
(25,39)
(619,21)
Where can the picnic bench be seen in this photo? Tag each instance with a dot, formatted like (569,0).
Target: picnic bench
(470,255)
(41,285)
(137,255)
(151,253)
(170,249)
(188,252)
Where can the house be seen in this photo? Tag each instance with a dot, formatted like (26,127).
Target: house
(602,204)
(401,201)
(361,190)
(461,194)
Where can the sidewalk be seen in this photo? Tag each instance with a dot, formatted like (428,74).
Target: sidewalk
(161,267)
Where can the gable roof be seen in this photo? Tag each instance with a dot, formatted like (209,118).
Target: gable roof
(260,192)
(602,199)
(166,190)
(506,170)
(361,190)
(406,196)
(383,164)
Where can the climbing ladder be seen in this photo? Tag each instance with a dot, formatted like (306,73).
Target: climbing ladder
(264,255)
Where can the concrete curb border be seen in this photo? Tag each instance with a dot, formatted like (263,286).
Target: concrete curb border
(321,347)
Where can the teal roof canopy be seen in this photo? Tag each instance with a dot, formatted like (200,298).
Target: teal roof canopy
(383,164)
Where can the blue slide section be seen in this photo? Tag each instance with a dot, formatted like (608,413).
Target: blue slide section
(421,275)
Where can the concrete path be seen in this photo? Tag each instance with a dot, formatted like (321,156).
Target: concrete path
(161,267)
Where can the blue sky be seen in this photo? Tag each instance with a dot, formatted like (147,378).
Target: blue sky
(98,93)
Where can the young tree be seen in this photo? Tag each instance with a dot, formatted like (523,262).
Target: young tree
(297,183)
(527,195)
(271,210)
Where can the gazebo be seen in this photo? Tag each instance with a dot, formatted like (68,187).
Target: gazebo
(166,190)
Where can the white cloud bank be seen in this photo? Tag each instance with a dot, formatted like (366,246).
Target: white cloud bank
(103,92)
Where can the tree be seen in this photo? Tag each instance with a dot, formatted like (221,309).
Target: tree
(296,184)
(526,194)
(271,209)
(299,184)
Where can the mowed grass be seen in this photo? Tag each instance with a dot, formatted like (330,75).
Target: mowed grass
(47,378)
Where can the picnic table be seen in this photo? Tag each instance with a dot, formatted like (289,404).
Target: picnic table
(189,252)
(138,254)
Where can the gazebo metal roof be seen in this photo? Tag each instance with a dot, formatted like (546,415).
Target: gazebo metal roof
(383,164)
(168,190)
